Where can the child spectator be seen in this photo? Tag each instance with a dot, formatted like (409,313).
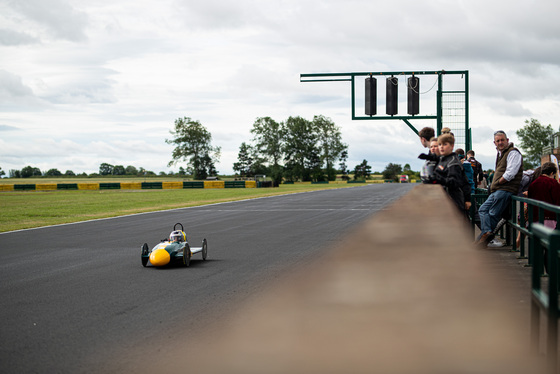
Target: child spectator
(467,167)
(477,169)
(450,174)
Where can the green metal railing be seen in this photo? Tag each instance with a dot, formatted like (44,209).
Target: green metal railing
(524,225)
(547,241)
(477,199)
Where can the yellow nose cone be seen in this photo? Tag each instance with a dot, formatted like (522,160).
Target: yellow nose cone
(159,257)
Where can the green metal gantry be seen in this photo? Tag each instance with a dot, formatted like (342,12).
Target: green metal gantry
(439,117)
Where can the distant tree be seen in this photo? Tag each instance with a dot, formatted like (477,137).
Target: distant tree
(533,138)
(300,147)
(182,171)
(342,167)
(314,165)
(162,173)
(193,144)
(362,171)
(69,173)
(2,172)
(330,144)
(268,137)
(259,167)
(411,174)
(245,161)
(53,173)
(249,162)
(392,171)
(29,171)
(119,170)
(105,169)
(528,165)
(131,170)
(289,171)
(14,173)
(207,168)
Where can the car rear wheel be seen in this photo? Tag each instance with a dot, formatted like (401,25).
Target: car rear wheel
(187,255)
(204,249)
(145,251)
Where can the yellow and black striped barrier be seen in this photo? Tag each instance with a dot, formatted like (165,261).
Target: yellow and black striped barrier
(127,185)
(178,185)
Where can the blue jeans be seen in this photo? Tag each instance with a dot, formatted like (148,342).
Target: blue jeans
(491,211)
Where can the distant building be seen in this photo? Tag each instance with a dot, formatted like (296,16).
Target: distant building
(552,154)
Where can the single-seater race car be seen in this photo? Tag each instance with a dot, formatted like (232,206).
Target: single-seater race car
(176,249)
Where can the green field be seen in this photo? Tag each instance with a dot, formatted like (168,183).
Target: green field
(27,209)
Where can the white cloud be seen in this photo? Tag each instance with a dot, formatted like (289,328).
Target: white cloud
(55,18)
(100,81)
(11,38)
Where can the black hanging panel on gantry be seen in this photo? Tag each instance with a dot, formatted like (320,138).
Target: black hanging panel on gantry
(413,95)
(371,96)
(392,96)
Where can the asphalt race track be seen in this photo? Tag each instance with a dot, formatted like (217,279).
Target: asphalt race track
(76,299)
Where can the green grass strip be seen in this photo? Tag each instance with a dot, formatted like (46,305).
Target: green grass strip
(28,209)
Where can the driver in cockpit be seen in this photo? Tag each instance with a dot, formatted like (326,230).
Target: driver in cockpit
(177,236)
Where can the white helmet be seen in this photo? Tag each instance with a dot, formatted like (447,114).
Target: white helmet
(176,236)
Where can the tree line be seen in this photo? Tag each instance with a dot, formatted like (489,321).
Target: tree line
(296,149)
(105,169)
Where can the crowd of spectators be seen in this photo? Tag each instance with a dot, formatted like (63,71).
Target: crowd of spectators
(460,174)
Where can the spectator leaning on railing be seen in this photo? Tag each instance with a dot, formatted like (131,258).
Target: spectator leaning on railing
(425,135)
(451,175)
(507,177)
(546,188)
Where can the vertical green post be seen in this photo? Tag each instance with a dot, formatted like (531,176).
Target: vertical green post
(468,140)
(439,108)
(352,87)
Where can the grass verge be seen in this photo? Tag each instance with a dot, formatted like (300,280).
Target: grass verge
(28,209)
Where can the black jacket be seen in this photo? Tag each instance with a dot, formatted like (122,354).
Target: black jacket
(450,174)
(477,171)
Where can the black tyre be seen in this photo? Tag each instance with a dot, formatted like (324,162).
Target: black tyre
(204,249)
(187,255)
(145,251)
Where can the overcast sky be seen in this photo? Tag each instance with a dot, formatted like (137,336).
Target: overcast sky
(83,82)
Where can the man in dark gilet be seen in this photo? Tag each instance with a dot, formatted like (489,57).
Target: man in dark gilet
(507,177)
